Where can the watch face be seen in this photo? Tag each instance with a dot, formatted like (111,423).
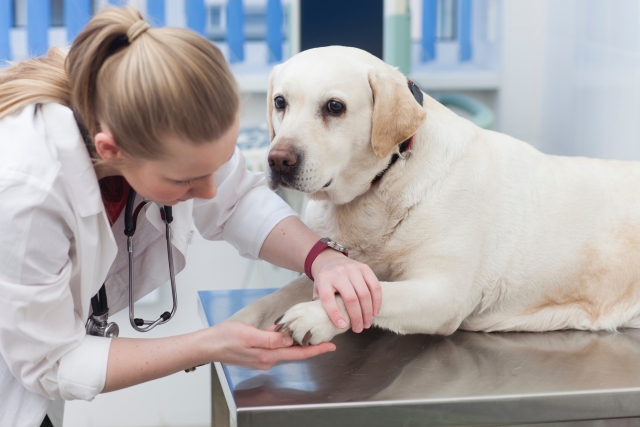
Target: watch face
(334,245)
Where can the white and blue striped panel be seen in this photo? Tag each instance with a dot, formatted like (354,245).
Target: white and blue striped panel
(26,27)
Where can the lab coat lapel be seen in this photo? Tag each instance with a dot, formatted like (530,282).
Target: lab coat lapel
(74,158)
(95,246)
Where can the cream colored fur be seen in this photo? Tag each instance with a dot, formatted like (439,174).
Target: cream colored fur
(474,230)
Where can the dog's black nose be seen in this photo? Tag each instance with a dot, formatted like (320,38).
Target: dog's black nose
(282,159)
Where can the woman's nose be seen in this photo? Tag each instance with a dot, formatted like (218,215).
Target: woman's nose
(206,190)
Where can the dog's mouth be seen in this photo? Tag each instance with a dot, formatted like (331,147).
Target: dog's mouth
(276,181)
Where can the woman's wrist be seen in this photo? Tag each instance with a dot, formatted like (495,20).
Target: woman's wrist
(206,344)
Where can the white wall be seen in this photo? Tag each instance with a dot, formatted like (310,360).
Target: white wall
(522,62)
(591,98)
(571,76)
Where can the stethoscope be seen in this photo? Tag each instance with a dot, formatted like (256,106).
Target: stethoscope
(98,324)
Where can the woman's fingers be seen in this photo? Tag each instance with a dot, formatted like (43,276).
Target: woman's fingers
(351,302)
(374,289)
(301,353)
(265,359)
(272,340)
(364,298)
(268,348)
(328,299)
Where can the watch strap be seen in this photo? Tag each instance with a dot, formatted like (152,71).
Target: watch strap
(320,246)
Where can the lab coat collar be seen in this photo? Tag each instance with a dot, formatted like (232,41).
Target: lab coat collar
(181,225)
(76,164)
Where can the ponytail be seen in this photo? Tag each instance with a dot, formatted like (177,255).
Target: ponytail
(34,80)
(144,84)
(104,35)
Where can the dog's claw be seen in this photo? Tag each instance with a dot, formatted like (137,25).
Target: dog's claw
(279,327)
(287,332)
(278,320)
(306,339)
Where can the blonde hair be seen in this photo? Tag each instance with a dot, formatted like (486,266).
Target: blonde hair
(142,84)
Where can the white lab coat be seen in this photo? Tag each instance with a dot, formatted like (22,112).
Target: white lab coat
(57,248)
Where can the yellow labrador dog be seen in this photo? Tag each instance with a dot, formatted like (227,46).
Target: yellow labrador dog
(467,229)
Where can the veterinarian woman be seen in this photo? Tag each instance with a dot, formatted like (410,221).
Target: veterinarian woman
(155,110)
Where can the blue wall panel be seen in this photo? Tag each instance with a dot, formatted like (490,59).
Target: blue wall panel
(235,30)
(464,29)
(274,30)
(76,15)
(196,15)
(6,13)
(38,23)
(429,28)
(155,12)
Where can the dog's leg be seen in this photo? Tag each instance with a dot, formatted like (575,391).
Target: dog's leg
(408,307)
(265,311)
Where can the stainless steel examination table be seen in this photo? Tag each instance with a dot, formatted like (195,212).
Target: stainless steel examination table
(381,379)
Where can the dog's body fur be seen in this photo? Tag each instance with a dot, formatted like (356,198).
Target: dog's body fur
(474,230)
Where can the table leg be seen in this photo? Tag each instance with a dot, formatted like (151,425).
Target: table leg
(220,416)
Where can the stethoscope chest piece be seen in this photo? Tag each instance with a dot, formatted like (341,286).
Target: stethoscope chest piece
(99,326)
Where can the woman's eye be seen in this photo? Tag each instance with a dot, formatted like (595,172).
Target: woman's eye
(335,107)
(279,103)
(183,182)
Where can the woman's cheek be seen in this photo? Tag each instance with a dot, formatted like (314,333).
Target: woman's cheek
(164,193)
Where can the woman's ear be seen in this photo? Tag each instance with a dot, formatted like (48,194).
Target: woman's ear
(106,147)
(396,114)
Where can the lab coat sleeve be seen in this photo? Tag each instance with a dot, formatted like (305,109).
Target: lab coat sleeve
(42,335)
(244,210)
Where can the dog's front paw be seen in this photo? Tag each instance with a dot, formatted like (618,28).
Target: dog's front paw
(308,323)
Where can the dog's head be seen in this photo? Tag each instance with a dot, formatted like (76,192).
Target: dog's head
(336,115)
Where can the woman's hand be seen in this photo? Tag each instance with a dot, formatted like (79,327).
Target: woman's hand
(288,244)
(240,344)
(136,360)
(355,282)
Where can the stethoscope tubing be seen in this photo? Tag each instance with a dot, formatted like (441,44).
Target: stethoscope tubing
(98,323)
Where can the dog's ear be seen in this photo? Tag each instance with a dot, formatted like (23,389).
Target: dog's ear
(272,77)
(396,114)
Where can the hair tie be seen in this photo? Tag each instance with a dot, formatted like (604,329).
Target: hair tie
(136,29)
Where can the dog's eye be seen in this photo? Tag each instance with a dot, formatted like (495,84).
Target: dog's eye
(335,107)
(279,103)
